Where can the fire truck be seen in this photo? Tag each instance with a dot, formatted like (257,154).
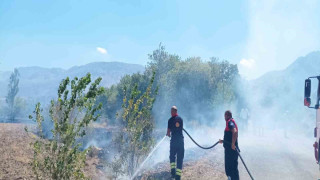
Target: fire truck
(307,102)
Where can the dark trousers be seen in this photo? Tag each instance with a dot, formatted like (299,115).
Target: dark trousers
(231,163)
(177,152)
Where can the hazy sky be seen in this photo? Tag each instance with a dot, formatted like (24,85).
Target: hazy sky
(257,35)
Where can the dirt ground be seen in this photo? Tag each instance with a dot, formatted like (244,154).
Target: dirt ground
(204,169)
(208,166)
(16,154)
(268,157)
(273,154)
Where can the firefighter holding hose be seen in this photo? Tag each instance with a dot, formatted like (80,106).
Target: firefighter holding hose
(230,144)
(175,127)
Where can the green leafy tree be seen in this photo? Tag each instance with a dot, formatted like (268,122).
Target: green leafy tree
(112,100)
(13,89)
(135,140)
(225,77)
(60,157)
(192,84)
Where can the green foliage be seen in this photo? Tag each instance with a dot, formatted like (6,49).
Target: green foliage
(13,89)
(114,95)
(135,139)
(60,157)
(193,85)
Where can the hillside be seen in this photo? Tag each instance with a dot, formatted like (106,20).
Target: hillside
(41,84)
(294,74)
(277,96)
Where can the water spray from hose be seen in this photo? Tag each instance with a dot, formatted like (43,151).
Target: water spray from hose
(148,157)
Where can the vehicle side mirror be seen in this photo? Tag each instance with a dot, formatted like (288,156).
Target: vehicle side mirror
(307,92)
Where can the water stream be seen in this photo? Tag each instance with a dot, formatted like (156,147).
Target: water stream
(148,157)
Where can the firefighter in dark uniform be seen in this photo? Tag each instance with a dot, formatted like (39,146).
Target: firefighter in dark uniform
(175,126)
(230,143)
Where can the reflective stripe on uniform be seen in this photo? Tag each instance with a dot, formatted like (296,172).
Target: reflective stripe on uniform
(173,165)
(178,172)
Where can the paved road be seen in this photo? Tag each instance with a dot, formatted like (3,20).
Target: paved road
(276,157)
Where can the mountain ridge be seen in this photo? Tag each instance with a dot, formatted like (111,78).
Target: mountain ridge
(41,83)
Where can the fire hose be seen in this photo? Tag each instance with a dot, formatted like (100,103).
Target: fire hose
(198,144)
(217,144)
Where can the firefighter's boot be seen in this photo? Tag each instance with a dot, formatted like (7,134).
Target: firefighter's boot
(173,169)
(173,173)
(178,174)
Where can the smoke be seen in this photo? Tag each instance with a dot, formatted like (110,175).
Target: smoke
(275,136)
(279,32)
(279,137)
